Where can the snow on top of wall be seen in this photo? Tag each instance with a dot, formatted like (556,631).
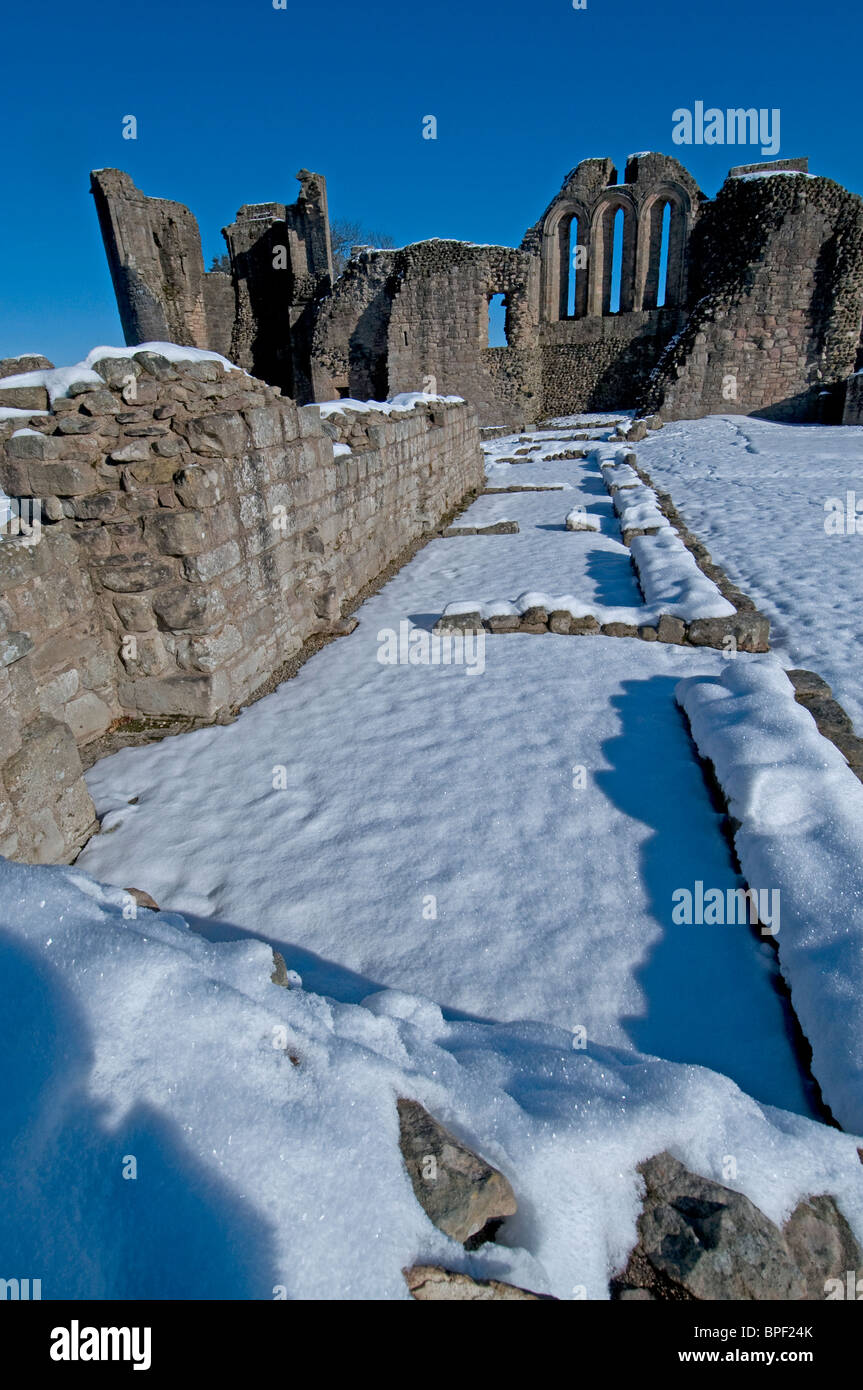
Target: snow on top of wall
(11,412)
(800,809)
(57,380)
(396,405)
(776,173)
(449,240)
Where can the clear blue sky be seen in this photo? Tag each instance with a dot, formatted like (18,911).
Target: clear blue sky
(232,98)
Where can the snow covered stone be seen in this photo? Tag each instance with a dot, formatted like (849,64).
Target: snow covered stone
(700,1240)
(580,521)
(432,1284)
(457,1189)
(469,620)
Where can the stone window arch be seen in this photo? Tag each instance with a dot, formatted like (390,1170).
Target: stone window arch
(566,229)
(602,254)
(649,256)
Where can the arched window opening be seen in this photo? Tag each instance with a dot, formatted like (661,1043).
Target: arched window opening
(497,321)
(576,269)
(665,239)
(616,261)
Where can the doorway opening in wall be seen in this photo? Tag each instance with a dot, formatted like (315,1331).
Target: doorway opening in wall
(497,321)
(616,261)
(663,256)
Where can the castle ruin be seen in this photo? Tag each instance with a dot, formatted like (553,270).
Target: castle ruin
(749,303)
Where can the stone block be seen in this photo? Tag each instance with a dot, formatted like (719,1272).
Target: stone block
(117,371)
(189,608)
(265,426)
(750,631)
(179,533)
(14,645)
(196,697)
(24,397)
(197,486)
(208,565)
(459,1191)
(670,629)
(219,435)
(33,446)
(132,574)
(46,764)
(87,715)
(62,479)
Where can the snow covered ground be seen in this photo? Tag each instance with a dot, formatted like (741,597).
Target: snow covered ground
(259,1176)
(425,834)
(755,492)
(505,839)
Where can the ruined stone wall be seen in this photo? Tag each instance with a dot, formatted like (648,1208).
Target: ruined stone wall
(57,688)
(195,528)
(281,261)
(778,278)
(257,315)
(157,266)
(597,363)
(761,304)
(417,319)
(351,335)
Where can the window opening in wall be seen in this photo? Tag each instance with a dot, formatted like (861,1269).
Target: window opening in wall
(663,256)
(497,321)
(616,261)
(574,270)
(405,336)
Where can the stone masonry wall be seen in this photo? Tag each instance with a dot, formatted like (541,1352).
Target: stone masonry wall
(192,529)
(778,276)
(417,319)
(157,268)
(597,363)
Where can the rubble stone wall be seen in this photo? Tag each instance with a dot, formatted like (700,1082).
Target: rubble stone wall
(417,319)
(777,276)
(189,530)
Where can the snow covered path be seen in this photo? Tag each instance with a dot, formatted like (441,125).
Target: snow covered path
(506,843)
(754,492)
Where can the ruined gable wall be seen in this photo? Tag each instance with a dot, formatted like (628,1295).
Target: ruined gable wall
(417,319)
(778,277)
(593,359)
(159,585)
(439,328)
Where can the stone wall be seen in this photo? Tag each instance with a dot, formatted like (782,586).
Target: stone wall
(280,261)
(417,319)
(191,530)
(750,303)
(596,363)
(157,267)
(777,274)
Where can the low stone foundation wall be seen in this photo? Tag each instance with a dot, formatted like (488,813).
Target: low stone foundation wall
(184,531)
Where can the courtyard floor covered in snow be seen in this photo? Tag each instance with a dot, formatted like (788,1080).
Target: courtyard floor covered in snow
(477,865)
